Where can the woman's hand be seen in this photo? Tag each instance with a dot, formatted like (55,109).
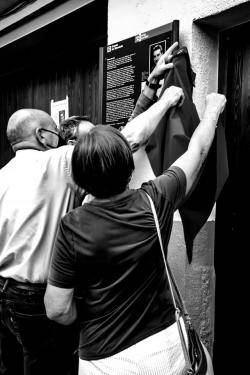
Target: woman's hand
(172,96)
(215,103)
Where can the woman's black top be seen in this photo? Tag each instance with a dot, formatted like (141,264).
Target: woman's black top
(109,252)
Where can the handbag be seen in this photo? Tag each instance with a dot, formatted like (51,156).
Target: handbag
(198,361)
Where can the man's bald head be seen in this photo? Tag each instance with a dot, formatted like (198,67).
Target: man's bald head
(23,124)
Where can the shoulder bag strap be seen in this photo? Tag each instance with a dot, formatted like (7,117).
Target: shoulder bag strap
(172,286)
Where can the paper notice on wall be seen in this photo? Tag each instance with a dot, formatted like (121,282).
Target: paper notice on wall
(59,110)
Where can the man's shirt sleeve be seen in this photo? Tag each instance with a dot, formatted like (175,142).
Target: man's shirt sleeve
(142,104)
(68,150)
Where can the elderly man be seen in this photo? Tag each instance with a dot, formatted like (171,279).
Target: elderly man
(36,190)
(34,193)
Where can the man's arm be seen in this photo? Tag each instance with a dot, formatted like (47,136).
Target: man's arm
(191,161)
(60,305)
(137,136)
(138,130)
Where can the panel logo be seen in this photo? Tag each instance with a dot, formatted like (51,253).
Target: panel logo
(114,47)
(140,37)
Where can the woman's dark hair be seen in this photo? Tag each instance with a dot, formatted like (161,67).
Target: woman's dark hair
(102,162)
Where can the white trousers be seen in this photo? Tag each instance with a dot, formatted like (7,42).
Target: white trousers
(159,354)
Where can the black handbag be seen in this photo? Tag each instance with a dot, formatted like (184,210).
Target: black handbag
(195,357)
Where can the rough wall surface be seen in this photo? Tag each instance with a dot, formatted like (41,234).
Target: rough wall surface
(196,280)
(128,18)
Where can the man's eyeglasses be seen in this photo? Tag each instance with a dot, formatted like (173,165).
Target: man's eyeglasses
(50,131)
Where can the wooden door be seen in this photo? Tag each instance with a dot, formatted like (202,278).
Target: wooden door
(232,243)
(59,59)
(36,86)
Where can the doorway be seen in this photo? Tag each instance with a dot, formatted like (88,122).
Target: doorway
(233,206)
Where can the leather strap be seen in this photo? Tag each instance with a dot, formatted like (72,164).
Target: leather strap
(181,310)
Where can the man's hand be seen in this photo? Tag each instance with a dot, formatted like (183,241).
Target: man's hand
(172,96)
(163,64)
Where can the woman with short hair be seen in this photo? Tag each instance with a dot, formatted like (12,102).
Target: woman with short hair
(108,251)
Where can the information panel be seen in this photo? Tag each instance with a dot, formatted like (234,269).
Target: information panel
(125,66)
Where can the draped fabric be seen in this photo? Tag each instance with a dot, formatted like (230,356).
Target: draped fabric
(171,139)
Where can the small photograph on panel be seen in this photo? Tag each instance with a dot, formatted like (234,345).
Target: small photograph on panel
(156,50)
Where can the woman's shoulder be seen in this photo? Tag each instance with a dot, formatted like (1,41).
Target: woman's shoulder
(74,216)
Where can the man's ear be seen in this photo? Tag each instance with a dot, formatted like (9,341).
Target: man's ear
(40,137)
